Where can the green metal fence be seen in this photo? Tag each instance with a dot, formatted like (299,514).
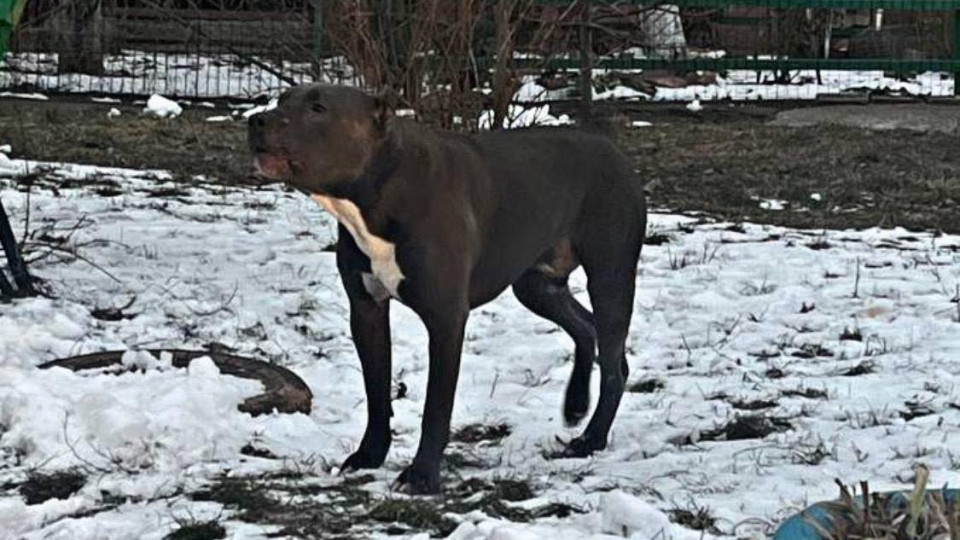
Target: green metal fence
(767,61)
(737,49)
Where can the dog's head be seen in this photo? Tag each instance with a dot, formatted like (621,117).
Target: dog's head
(318,136)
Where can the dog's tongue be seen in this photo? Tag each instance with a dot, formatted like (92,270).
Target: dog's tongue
(271,166)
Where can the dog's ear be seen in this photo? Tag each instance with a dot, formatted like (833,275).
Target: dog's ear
(385,105)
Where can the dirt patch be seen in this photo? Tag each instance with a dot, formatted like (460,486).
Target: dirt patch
(775,373)
(823,176)
(809,393)
(863,368)
(474,433)
(347,510)
(82,133)
(915,117)
(747,427)
(726,164)
(916,409)
(812,350)
(696,518)
(251,449)
(208,530)
(647,386)
(753,404)
(851,334)
(40,487)
(415,513)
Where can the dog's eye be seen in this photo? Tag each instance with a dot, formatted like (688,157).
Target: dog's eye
(318,108)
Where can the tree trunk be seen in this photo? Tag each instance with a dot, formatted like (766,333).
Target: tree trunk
(586,61)
(503,85)
(17,267)
(80,38)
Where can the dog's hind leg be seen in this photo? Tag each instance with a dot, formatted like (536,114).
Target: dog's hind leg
(549,297)
(609,256)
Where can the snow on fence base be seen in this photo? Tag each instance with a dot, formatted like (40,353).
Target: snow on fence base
(283,390)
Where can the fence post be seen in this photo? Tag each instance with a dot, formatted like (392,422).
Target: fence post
(78,28)
(5,31)
(956,51)
(317,41)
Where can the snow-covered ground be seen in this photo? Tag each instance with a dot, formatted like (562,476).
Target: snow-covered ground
(197,76)
(728,318)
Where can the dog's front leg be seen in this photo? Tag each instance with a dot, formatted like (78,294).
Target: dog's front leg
(370,327)
(446,329)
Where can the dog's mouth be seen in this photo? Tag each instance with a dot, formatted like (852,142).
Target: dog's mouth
(271,165)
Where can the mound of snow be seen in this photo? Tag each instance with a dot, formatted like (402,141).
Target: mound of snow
(156,418)
(162,107)
(624,514)
(530,92)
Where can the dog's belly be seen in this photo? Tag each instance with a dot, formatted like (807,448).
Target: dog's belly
(386,276)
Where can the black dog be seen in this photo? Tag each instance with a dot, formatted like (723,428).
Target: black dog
(444,223)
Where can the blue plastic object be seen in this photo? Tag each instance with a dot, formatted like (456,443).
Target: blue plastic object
(801,526)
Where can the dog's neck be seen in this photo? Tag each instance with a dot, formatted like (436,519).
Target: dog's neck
(364,190)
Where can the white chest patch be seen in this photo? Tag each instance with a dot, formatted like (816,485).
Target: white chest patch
(386,273)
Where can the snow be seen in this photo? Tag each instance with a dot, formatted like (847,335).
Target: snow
(640,124)
(272,104)
(519,116)
(27,96)
(529,114)
(742,85)
(221,118)
(5,149)
(627,516)
(530,92)
(718,314)
(162,107)
(773,204)
(619,92)
(161,418)
(113,112)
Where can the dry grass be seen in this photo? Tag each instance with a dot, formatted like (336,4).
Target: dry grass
(721,164)
(922,515)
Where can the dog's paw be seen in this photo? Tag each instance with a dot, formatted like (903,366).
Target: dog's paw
(575,407)
(419,480)
(576,401)
(580,447)
(363,459)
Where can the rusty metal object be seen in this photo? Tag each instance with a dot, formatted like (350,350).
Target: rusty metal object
(284,391)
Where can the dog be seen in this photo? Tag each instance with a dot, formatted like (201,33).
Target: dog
(445,222)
